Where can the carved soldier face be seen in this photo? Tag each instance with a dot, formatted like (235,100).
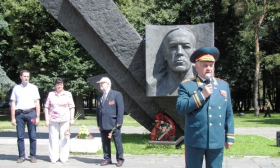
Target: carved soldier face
(179,45)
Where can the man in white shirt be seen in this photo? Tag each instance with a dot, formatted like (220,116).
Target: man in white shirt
(25,109)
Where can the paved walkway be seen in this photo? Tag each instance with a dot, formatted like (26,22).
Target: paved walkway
(9,153)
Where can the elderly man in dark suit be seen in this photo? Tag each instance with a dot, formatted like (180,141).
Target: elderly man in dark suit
(110,111)
(206,103)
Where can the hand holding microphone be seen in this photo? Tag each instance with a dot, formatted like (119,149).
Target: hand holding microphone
(208,90)
(208,78)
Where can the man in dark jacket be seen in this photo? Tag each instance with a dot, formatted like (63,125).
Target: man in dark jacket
(110,111)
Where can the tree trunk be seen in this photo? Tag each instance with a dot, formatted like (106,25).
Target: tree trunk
(90,105)
(79,105)
(264,87)
(258,55)
(256,79)
(277,99)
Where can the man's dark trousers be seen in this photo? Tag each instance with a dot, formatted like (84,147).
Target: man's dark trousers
(107,145)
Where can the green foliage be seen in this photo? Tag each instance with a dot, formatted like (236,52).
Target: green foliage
(28,21)
(143,12)
(3,24)
(42,46)
(4,40)
(59,55)
(272,62)
(5,86)
(236,64)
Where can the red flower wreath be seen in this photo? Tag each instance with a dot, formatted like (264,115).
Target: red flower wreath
(164,129)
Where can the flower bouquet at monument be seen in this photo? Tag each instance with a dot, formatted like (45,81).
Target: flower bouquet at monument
(84,134)
(85,142)
(164,129)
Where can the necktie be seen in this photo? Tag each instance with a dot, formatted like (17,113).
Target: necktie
(103,98)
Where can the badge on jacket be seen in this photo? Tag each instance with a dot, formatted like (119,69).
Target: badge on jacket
(111,102)
(224,93)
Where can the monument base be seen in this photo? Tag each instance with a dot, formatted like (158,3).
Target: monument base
(85,145)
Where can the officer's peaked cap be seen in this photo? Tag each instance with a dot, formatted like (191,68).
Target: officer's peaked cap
(206,53)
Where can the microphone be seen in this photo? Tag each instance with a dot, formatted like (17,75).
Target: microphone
(208,78)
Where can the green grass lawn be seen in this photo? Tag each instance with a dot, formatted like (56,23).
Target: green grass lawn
(249,120)
(89,120)
(245,145)
(137,144)
(252,145)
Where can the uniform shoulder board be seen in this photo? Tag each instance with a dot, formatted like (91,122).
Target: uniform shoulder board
(221,80)
(187,80)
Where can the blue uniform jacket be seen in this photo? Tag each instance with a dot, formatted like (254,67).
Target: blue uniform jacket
(208,122)
(111,114)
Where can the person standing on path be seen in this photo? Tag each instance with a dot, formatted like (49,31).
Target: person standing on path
(110,111)
(205,102)
(59,114)
(267,108)
(25,109)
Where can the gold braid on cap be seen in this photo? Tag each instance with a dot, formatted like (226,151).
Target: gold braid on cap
(205,57)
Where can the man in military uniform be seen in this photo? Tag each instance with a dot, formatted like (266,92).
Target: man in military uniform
(206,103)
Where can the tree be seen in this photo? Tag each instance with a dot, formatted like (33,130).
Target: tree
(41,45)
(235,64)
(5,83)
(270,42)
(255,11)
(143,12)
(59,55)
